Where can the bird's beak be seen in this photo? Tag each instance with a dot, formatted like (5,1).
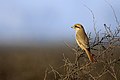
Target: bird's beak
(72,27)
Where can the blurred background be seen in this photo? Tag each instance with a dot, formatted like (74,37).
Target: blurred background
(46,21)
(43,26)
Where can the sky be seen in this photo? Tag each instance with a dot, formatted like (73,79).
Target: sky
(51,20)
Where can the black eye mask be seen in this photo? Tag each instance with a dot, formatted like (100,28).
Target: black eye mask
(77,27)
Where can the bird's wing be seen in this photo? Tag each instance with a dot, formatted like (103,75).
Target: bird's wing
(82,38)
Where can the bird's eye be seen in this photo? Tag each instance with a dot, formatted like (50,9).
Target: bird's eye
(77,26)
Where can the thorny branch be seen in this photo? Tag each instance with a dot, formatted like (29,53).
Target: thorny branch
(104,44)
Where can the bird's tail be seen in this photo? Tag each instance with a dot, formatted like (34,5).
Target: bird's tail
(89,54)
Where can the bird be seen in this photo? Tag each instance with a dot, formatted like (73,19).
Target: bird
(83,40)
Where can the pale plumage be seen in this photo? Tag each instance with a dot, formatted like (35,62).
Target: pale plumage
(82,40)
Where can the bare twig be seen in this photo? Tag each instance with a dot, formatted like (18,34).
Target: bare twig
(93,16)
(104,44)
(46,72)
(116,19)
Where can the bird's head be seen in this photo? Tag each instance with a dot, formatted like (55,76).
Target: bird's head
(77,27)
